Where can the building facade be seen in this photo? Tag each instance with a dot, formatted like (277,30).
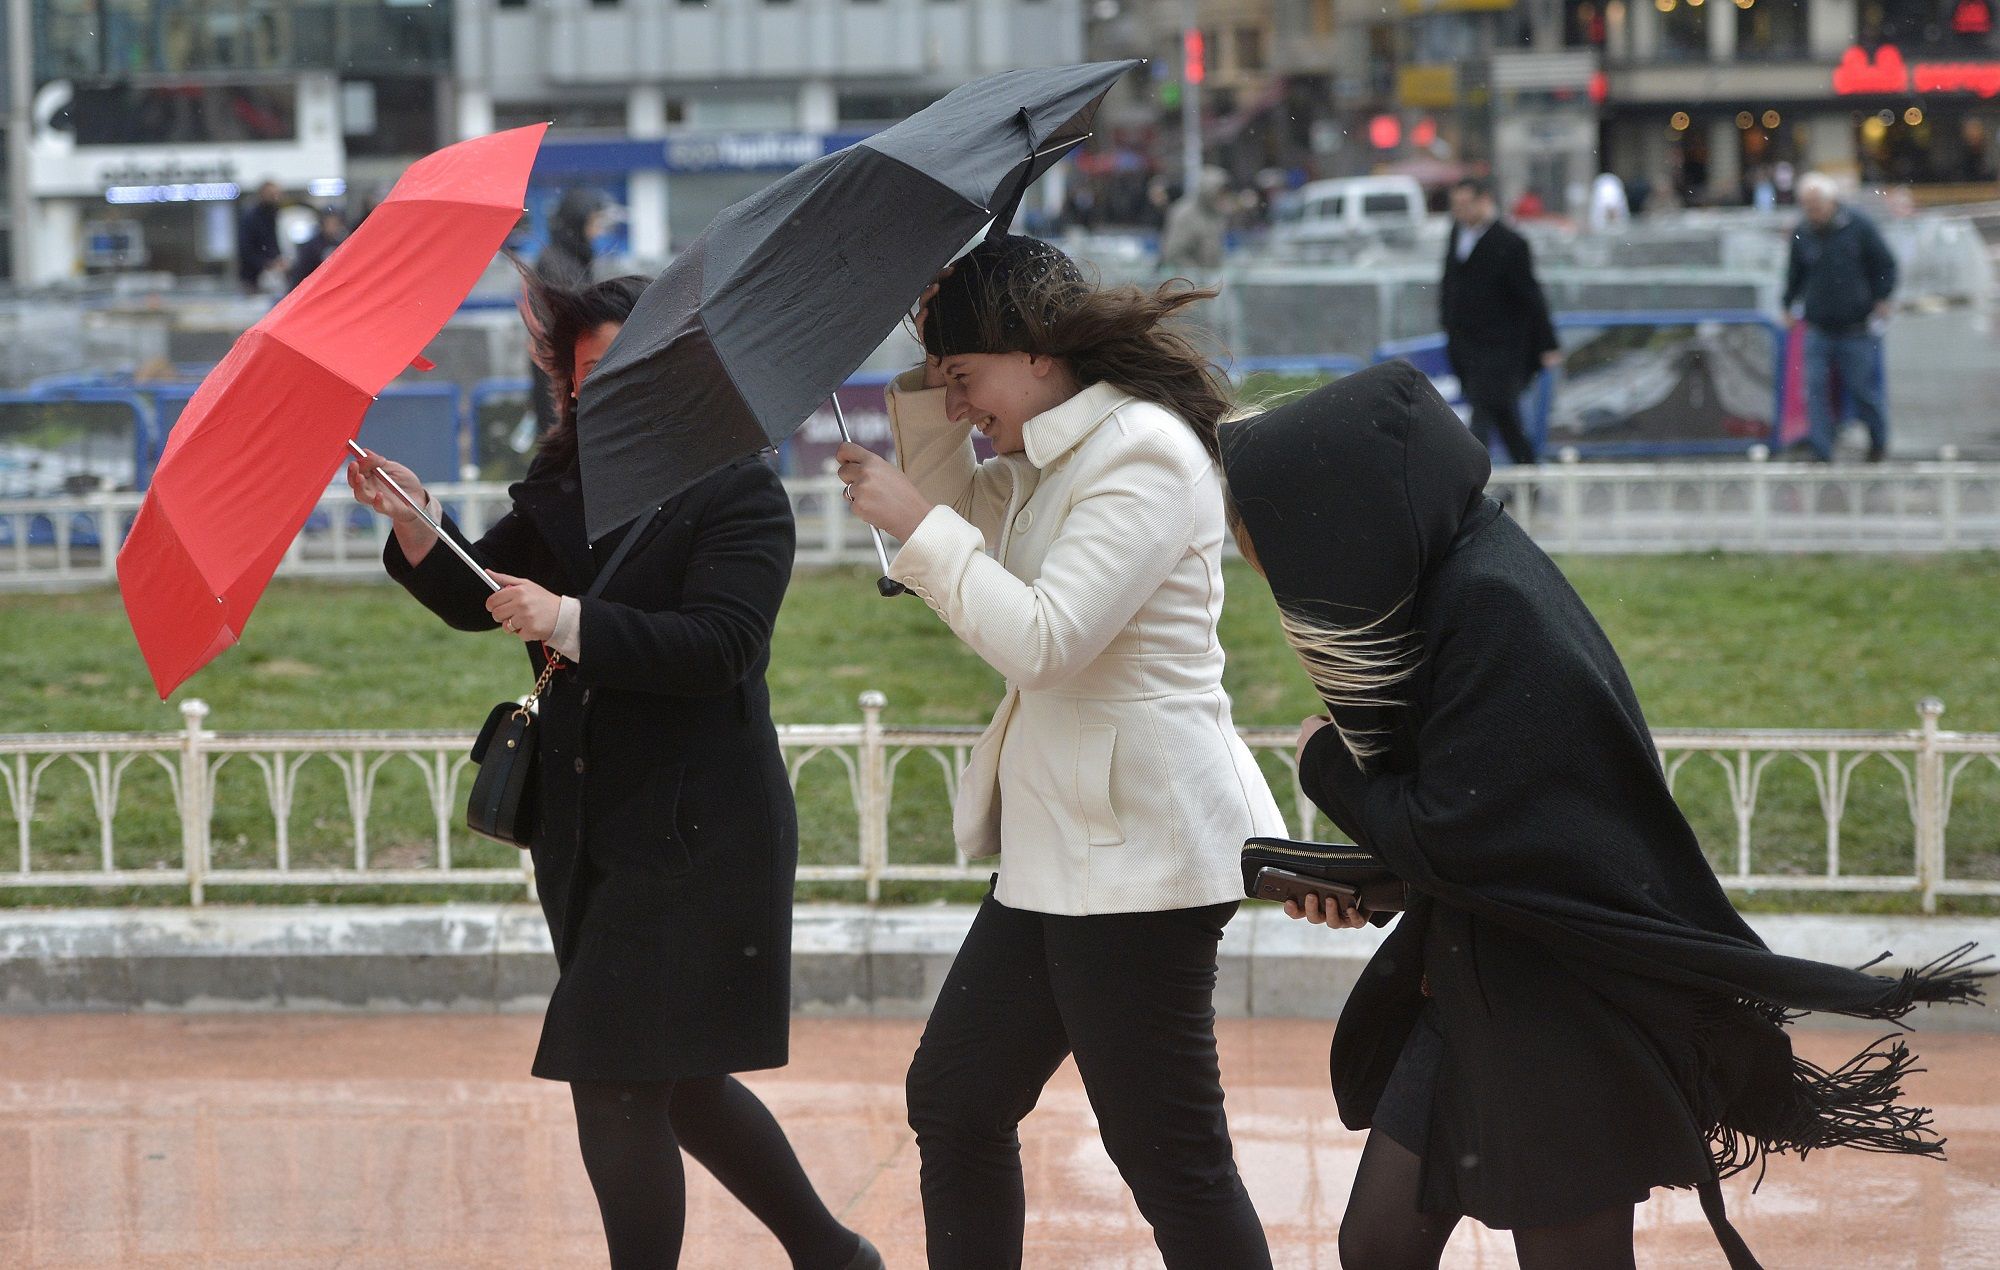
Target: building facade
(1714,99)
(677,108)
(146,119)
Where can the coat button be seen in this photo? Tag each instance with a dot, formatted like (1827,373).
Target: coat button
(586,696)
(1025,519)
(579,767)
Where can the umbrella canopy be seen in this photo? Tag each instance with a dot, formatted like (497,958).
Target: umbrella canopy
(254,449)
(788,292)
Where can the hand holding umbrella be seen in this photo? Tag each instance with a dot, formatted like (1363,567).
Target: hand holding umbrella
(880,493)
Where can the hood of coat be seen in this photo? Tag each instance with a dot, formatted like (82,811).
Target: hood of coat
(1351,493)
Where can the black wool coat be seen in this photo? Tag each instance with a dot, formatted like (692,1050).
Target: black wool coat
(1495,317)
(667,842)
(1609,1023)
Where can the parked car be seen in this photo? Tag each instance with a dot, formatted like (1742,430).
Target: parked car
(1353,211)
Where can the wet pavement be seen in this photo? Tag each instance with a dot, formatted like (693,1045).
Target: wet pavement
(419,1141)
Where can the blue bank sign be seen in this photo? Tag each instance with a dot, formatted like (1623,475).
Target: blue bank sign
(691,152)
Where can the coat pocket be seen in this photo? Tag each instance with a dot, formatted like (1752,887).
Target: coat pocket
(1094,745)
(669,825)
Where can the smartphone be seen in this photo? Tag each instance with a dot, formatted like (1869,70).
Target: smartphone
(1283,884)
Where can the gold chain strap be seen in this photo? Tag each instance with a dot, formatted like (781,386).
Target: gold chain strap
(551,663)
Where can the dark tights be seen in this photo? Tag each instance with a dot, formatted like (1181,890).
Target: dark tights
(632,1136)
(1384,1229)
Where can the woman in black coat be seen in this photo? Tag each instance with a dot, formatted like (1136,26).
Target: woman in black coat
(666,843)
(1570,1013)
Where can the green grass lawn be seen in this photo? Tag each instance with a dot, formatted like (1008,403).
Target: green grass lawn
(1730,641)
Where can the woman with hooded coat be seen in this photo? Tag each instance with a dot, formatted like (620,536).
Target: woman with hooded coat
(665,845)
(1571,1012)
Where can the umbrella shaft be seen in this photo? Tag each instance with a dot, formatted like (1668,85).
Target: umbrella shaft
(354,447)
(881,552)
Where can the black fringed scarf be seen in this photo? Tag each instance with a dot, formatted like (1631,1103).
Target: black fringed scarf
(1519,782)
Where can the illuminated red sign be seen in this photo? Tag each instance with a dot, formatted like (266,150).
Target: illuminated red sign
(1196,48)
(1887,74)
(1979,78)
(1858,76)
(1972,17)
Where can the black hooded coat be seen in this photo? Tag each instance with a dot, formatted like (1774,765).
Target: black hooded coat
(1608,1022)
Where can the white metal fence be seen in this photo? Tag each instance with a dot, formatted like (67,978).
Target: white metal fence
(1599,508)
(1906,851)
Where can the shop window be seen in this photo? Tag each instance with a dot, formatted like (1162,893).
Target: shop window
(182,114)
(1937,26)
(1770,28)
(567,116)
(1915,146)
(1583,24)
(1683,29)
(1250,48)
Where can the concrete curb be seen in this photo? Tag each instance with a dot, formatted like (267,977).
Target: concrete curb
(847,960)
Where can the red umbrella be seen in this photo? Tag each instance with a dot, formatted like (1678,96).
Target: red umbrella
(256,446)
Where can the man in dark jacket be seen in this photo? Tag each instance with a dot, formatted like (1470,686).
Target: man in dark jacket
(257,238)
(1839,283)
(1496,322)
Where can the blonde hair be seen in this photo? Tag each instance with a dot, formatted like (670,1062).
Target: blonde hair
(1354,666)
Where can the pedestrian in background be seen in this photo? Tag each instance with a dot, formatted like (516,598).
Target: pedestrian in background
(1838,283)
(1498,335)
(313,251)
(566,263)
(257,238)
(1193,239)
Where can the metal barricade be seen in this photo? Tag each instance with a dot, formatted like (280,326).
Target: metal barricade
(1622,395)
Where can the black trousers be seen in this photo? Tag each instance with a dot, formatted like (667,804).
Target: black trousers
(1496,407)
(1132,996)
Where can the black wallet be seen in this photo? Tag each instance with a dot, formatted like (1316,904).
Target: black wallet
(1381,891)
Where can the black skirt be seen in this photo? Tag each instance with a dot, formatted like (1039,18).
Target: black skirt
(1501,1144)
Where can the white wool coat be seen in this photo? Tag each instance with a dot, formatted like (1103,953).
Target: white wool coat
(1088,571)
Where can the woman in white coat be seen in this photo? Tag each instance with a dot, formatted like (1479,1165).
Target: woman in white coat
(1083,563)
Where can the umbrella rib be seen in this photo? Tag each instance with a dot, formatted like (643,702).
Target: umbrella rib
(286,344)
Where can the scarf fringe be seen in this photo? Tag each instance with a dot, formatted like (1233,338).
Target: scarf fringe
(1951,979)
(1853,1105)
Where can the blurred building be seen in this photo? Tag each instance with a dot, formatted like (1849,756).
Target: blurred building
(677,108)
(146,118)
(1708,97)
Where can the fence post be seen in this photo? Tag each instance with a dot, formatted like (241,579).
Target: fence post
(109,534)
(1572,498)
(1760,498)
(874,809)
(1948,494)
(196,812)
(1930,804)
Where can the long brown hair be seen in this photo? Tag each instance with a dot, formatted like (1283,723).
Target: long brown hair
(1132,337)
(556,316)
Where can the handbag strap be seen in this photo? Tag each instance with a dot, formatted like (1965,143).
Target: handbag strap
(552,660)
(625,546)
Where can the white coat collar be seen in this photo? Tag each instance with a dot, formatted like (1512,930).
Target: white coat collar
(1053,433)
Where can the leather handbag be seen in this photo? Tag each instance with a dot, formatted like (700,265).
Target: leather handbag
(502,806)
(1381,892)
(503,803)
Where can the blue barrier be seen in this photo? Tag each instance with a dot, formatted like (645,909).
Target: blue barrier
(1332,365)
(1427,353)
(98,459)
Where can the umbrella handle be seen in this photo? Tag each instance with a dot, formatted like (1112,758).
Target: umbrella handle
(354,448)
(886,585)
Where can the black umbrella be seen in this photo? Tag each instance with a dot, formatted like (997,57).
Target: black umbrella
(788,292)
